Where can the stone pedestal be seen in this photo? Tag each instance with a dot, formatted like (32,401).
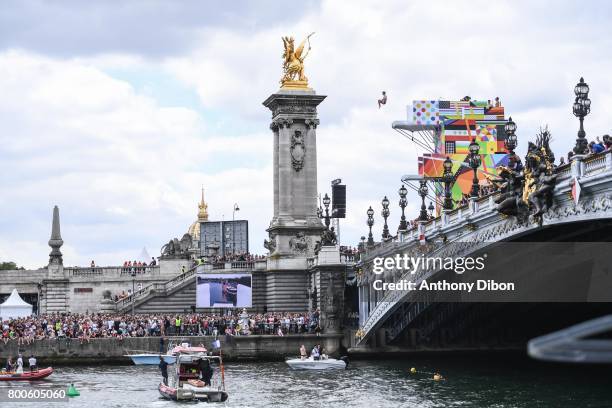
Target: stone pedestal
(329,255)
(327,281)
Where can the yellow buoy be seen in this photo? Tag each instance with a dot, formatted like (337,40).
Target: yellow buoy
(437,377)
(413,370)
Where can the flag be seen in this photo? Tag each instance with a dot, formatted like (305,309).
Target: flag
(421,229)
(216,344)
(575,192)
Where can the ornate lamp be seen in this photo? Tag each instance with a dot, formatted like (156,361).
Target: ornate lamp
(370,213)
(403,226)
(431,209)
(448,179)
(385,213)
(510,130)
(326,201)
(581,108)
(474,164)
(423,191)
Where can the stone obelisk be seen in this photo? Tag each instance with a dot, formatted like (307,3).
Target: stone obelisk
(54,290)
(55,242)
(295,227)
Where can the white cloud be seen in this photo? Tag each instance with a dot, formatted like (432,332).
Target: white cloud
(124,171)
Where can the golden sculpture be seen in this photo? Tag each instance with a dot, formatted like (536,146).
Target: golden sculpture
(293,64)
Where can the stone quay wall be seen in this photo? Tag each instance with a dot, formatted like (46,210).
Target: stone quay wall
(112,351)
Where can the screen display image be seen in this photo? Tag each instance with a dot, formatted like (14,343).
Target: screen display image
(224,290)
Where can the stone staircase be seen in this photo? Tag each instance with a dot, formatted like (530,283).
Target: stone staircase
(55,296)
(175,295)
(179,301)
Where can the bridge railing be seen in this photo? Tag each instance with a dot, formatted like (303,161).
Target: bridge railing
(596,163)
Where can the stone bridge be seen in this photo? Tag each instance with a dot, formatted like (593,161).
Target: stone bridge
(384,315)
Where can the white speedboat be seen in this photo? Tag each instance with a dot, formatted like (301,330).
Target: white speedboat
(311,364)
(150,358)
(141,357)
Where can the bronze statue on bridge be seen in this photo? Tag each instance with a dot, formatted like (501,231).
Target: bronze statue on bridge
(528,190)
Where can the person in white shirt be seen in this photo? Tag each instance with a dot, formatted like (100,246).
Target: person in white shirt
(19,365)
(315,353)
(32,362)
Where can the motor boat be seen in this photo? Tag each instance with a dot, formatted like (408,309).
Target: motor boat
(323,363)
(150,358)
(26,375)
(184,383)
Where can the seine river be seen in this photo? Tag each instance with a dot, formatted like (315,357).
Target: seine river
(487,382)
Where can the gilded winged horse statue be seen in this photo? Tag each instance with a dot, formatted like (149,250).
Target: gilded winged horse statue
(293,63)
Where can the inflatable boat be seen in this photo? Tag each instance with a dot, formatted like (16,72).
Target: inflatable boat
(26,375)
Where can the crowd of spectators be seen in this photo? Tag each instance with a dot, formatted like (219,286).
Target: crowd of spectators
(595,146)
(236,257)
(137,266)
(349,251)
(85,327)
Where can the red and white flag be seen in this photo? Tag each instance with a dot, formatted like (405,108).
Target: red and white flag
(575,192)
(422,233)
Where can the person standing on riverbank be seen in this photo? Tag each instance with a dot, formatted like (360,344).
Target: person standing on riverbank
(177,326)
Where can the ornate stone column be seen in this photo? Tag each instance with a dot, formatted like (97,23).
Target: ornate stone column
(295,227)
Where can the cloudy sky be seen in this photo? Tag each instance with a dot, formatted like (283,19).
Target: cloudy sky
(120,112)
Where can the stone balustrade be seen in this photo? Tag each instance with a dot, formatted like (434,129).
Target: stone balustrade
(111,271)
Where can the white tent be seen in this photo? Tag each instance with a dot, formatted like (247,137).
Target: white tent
(15,307)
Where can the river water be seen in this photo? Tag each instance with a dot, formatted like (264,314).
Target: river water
(494,381)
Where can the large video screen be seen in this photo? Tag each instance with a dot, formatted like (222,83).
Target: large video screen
(224,290)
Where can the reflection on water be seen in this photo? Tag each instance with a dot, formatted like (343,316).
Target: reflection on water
(486,382)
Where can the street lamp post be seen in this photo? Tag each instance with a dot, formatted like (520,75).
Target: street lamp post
(326,202)
(423,191)
(581,108)
(510,130)
(474,164)
(448,179)
(403,226)
(370,225)
(133,273)
(236,208)
(385,213)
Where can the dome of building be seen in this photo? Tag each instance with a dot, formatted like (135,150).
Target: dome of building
(194,228)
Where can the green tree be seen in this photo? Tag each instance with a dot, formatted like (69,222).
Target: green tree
(8,266)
